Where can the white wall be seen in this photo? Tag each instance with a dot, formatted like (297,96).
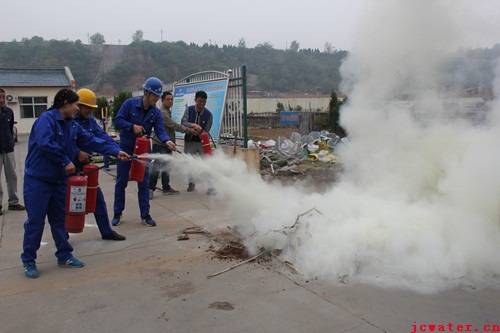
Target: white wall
(24,124)
(259,105)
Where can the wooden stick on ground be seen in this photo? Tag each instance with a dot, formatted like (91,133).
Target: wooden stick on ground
(237,265)
(285,262)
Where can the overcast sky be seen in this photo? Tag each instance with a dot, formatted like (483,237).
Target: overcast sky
(311,22)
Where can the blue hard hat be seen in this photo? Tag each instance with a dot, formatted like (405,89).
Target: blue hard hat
(153,85)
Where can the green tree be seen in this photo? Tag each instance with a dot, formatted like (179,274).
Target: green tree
(265,45)
(280,107)
(138,36)
(334,115)
(117,103)
(36,40)
(329,49)
(294,46)
(242,44)
(97,39)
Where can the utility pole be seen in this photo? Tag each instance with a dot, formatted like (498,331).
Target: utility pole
(88,38)
(161,40)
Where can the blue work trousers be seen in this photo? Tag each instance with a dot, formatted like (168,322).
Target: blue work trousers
(101,214)
(43,199)
(123,169)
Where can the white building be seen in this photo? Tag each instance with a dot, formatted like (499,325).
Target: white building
(29,92)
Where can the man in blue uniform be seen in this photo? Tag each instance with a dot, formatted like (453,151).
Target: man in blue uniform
(199,118)
(53,136)
(138,117)
(86,103)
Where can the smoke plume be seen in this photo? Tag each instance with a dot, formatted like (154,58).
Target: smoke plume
(418,205)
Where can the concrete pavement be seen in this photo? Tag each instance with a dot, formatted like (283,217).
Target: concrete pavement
(153,283)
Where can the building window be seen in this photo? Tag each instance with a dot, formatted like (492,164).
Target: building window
(32,107)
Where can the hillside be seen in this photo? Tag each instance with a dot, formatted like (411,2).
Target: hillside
(113,68)
(110,69)
(268,68)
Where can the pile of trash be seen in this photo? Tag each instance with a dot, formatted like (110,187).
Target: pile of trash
(285,154)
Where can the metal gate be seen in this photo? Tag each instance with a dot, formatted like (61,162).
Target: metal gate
(234,119)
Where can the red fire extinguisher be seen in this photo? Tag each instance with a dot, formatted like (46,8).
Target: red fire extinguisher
(205,143)
(138,167)
(75,204)
(91,172)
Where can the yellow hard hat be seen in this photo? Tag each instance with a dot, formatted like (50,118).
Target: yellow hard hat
(87,97)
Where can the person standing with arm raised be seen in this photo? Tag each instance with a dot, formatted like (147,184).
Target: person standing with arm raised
(160,166)
(199,118)
(138,117)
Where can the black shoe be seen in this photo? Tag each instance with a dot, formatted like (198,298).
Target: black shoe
(170,191)
(191,187)
(114,236)
(16,207)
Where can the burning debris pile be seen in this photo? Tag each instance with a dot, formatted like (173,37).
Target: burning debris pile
(231,246)
(285,156)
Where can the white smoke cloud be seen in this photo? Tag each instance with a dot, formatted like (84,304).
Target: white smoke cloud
(419,203)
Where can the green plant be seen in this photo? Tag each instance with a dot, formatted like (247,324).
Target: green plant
(117,103)
(334,114)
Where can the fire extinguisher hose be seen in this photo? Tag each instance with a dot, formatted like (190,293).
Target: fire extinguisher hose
(114,160)
(159,142)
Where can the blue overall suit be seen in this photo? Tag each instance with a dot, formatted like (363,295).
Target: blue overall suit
(101,211)
(132,113)
(51,141)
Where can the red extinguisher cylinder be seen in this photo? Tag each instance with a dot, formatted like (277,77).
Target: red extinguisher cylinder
(138,167)
(205,143)
(91,172)
(76,195)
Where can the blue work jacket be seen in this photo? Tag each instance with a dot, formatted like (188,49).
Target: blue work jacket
(132,113)
(91,126)
(55,142)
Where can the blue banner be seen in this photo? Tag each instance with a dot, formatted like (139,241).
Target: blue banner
(184,97)
(289,118)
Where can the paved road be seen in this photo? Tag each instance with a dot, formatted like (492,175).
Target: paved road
(153,283)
